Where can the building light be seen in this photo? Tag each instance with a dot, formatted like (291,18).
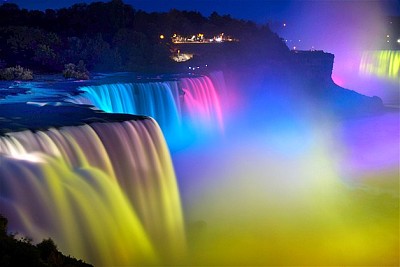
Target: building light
(200,38)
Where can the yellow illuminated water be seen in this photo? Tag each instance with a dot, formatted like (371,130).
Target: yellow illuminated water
(106,193)
(384,64)
(308,193)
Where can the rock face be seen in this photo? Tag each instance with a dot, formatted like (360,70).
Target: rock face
(314,65)
(313,73)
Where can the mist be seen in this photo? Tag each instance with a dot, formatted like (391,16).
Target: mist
(348,29)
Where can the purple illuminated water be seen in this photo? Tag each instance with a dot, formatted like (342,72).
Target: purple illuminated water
(288,183)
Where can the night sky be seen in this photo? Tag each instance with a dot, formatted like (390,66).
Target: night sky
(256,10)
(306,20)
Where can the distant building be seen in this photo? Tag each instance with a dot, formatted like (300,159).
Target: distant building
(200,38)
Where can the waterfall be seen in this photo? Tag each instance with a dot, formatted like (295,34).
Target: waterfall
(382,63)
(201,102)
(192,103)
(105,192)
(156,99)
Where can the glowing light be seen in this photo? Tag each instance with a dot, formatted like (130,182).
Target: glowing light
(384,64)
(284,24)
(281,189)
(285,183)
(29,157)
(182,57)
(201,103)
(155,99)
(162,36)
(199,106)
(119,174)
(398,40)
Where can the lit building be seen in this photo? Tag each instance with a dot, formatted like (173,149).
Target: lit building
(200,38)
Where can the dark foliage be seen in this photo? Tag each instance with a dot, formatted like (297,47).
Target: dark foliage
(21,252)
(16,73)
(115,36)
(76,71)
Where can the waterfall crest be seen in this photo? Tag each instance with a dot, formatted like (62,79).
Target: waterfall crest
(181,107)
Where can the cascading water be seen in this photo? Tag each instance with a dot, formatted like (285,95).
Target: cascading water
(188,104)
(105,192)
(156,100)
(201,102)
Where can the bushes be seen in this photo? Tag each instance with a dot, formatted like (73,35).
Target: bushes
(76,71)
(21,252)
(16,73)
(19,73)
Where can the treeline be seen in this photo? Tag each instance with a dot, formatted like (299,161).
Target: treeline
(112,36)
(21,252)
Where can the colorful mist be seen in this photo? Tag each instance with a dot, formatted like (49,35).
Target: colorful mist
(295,190)
(105,192)
(348,29)
(287,184)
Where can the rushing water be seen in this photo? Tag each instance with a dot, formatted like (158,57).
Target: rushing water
(286,184)
(105,192)
(191,104)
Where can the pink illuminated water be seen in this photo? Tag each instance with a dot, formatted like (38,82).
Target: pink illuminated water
(287,184)
(201,102)
(192,104)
